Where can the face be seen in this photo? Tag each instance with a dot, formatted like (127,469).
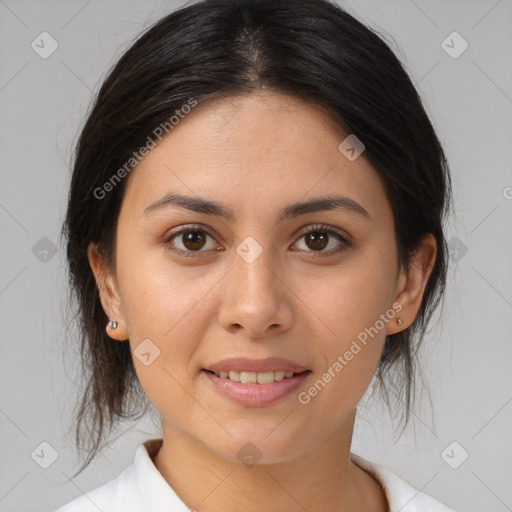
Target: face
(308,285)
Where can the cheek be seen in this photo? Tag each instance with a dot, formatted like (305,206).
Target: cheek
(350,338)
(351,312)
(349,301)
(159,296)
(165,317)
(168,325)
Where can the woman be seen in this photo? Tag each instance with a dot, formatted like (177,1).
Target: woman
(255,234)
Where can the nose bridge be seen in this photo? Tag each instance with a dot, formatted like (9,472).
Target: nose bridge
(252,268)
(254,298)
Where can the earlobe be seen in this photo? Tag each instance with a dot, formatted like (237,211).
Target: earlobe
(116,331)
(411,285)
(109,296)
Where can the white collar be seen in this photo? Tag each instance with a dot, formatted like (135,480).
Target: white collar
(152,486)
(154,489)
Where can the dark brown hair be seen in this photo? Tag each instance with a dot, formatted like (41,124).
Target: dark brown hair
(311,49)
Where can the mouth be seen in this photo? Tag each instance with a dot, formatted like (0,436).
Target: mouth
(262,378)
(256,389)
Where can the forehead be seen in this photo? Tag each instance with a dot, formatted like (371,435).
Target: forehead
(255,153)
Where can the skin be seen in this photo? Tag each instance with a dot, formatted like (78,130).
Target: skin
(256,154)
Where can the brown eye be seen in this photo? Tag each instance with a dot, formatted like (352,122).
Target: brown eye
(193,240)
(317,241)
(189,241)
(320,237)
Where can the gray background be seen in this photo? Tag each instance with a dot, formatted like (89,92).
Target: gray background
(466,356)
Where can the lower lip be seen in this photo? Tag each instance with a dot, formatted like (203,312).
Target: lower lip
(257,395)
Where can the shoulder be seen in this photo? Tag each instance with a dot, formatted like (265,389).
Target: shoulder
(139,488)
(120,494)
(401,496)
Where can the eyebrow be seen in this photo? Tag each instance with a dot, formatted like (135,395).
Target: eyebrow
(201,205)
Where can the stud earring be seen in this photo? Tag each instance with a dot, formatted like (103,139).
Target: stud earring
(399,321)
(112,324)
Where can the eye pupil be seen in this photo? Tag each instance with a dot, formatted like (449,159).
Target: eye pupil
(195,238)
(318,239)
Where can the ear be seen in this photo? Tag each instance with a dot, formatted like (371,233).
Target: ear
(411,285)
(109,293)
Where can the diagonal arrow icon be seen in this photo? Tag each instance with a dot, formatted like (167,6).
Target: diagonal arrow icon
(44,45)
(351,147)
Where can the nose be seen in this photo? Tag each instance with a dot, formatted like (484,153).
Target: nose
(256,298)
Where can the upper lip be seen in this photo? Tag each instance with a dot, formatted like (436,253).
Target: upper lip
(268,364)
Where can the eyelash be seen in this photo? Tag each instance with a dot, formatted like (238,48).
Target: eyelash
(322,228)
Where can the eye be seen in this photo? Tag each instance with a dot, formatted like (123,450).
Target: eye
(318,237)
(189,241)
(194,239)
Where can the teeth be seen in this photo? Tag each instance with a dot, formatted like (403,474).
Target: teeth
(248,377)
(234,376)
(264,377)
(254,377)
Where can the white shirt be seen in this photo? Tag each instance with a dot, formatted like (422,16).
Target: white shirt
(142,488)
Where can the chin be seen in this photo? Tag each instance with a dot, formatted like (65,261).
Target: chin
(264,448)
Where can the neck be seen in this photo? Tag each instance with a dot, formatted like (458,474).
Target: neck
(322,478)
